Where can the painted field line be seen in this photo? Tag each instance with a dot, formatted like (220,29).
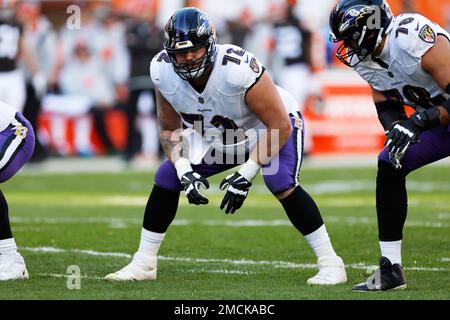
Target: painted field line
(195,270)
(240,262)
(87,252)
(136,201)
(222,271)
(61,275)
(121,223)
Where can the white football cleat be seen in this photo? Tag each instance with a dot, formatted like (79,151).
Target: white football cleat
(12,267)
(136,270)
(331,271)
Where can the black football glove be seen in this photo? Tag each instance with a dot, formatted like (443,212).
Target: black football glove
(401,135)
(191,182)
(237,191)
(399,138)
(406,132)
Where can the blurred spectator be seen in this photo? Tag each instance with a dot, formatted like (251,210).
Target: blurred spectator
(12,81)
(40,39)
(109,42)
(240,27)
(144,40)
(291,61)
(83,76)
(104,37)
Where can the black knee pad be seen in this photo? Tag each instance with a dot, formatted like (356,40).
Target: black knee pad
(386,172)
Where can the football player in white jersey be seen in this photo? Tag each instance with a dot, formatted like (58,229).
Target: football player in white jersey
(406,61)
(209,88)
(16,147)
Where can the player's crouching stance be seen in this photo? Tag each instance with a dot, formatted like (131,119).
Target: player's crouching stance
(406,60)
(16,147)
(219,87)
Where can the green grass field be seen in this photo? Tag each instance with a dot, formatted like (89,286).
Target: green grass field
(94,221)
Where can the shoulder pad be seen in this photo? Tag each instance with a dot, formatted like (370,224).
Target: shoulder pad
(242,68)
(161,72)
(415,34)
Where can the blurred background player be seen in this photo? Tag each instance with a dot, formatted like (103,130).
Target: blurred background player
(82,80)
(291,61)
(99,43)
(40,39)
(16,148)
(15,55)
(12,81)
(406,61)
(224,89)
(143,39)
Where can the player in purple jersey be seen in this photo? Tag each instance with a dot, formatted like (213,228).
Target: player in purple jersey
(223,86)
(406,61)
(16,147)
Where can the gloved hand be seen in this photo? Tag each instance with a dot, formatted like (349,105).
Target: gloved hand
(191,182)
(401,136)
(398,140)
(237,191)
(406,132)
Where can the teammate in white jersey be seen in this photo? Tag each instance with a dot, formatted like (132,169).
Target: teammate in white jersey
(214,90)
(406,61)
(16,147)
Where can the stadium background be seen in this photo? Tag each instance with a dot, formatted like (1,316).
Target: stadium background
(340,114)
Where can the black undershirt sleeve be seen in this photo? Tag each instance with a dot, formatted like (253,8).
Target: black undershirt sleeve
(390,111)
(446,103)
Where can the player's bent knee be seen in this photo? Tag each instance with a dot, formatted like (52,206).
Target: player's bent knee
(284,194)
(280,185)
(166,177)
(385,169)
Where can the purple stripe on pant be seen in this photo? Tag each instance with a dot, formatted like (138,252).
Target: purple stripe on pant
(279,177)
(24,152)
(434,145)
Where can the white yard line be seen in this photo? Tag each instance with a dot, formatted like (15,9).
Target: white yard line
(61,275)
(319,188)
(241,262)
(121,223)
(194,270)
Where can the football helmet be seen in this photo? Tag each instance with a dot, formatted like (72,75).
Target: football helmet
(189,29)
(360,25)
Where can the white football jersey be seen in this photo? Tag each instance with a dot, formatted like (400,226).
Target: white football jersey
(221,105)
(7,114)
(402,77)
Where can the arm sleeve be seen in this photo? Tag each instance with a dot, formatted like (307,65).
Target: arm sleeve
(390,111)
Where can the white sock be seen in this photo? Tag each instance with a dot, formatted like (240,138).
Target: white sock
(320,242)
(392,250)
(149,245)
(8,246)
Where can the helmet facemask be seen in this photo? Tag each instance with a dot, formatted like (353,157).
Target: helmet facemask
(352,22)
(354,50)
(193,69)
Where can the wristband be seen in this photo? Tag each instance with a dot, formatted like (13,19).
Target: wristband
(446,105)
(426,119)
(183,166)
(249,170)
